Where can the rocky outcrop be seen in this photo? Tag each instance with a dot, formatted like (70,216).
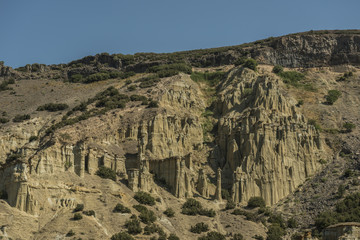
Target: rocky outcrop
(268,146)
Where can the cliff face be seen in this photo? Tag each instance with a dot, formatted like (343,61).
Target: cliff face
(268,147)
(311,50)
(246,132)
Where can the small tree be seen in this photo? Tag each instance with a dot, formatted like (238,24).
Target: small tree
(79,207)
(256,202)
(105,172)
(144,198)
(77,216)
(199,228)
(251,64)
(278,69)
(122,236)
(332,96)
(169,212)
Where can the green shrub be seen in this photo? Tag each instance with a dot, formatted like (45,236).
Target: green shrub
(193,207)
(275,232)
(122,236)
(127,82)
(249,215)
(240,61)
(3,120)
(168,70)
(77,216)
(250,63)
(210,78)
(291,77)
(153,104)
(258,237)
(348,127)
(315,124)
(169,212)
(89,213)
(70,233)
(277,219)
(230,204)
(199,228)
(105,172)
(21,118)
(213,236)
(79,207)
(256,202)
(144,198)
(347,210)
(131,88)
(152,228)
(292,223)
(97,77)
(277,69)
(121,209)
(146,215)
(76,78)
(33,138)
(133,226)
(52,107)
(237,236)
(341,191)
(332,96)
(173,237)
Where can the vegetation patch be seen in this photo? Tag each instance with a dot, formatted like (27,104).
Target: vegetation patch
(193,207)
(213,236)
(21,117)
(199,228)
(146,215)
(52,107)
(122,236)
(348,210)
(144,198)
(105,172)
(168,70)
(119,208)
(332,96)
(169,212)
(256,202)
(133,226)
(210,78)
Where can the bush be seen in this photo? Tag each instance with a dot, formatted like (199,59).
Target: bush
(230,204)
(21,118)
(169,212)
(193,207)
(105,172)
(33,138)
(173,237)
(348,127)
(275,232)
(291,77)
(70,233)
(225,194)
(168,70)
(131,88)
(146,216)
(122,236)
(77,216)
(250,63)
(199,228)
(89,213)
(210,78)
(3,120)
(332,96)
(121,209)
(212,236)
(52,107)
(341,191)
(133,226)
(238,236)
(79,207)
(292,223)
(240,61)
(76,78)
(348,210)
(152,228)
(256,202)
(278,220)
(277,69)
(153,104)
(144,198)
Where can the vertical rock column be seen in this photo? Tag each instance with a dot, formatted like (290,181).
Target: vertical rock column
(202,185)
(218,186)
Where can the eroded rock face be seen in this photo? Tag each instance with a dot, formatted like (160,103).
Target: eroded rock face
(268,146)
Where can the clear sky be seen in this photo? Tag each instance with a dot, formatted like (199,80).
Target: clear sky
(59,31)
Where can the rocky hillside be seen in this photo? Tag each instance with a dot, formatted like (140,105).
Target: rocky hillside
(221,131)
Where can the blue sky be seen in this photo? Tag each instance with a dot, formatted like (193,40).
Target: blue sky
(59,31)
